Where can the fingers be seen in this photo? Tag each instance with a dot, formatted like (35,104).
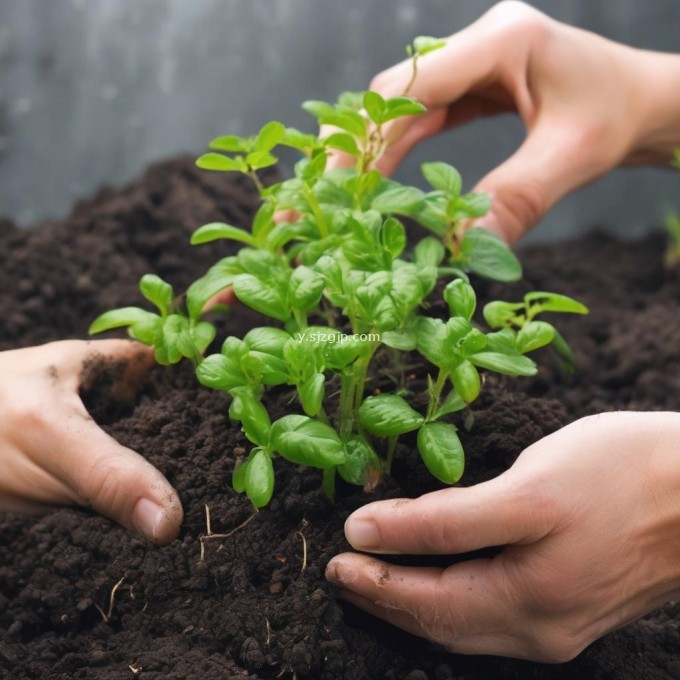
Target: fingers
(450,521)
(114,480)
(468,608)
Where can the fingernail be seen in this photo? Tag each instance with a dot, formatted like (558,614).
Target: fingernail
(334,573)
(340,573)
(362,533)
(147,518)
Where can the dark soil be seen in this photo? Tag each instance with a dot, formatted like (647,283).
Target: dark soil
(251,610)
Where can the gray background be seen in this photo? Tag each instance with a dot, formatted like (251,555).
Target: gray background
(93,90)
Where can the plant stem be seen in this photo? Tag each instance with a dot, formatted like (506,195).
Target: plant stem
(436,393)
(260,187)
(414,75)
(391,448)
(314,205)
(328,482)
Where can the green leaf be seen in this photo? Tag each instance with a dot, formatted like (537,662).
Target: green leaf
(306,287)
(431,335)
(148,330)
(157,291)
(259,479)
(269,136)
(533,335)
(397,199)
(452,404)
(508,364)
(252,415)
(317,108)
(499,313)
(553,302)
(443,177)
(202,334)
(461,298)
(306,441)
(220,373)
(485,254)
(216,161)
(349,121)
(563,350)
(429,252)
(311,393)
(387,415)
(362,465)
(299,140)
(220,230)
(117,318)
(238,477)
(173,333)
(343,141)
(393,237)
(263,222)
(375,106)
(475,341)
(230,144)
(441,451)
(403,339)
(260,159)
(397,107)
(465,378)
(267,340)
(424,44)
(263,296)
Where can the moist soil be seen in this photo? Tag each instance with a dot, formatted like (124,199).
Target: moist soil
(254,608)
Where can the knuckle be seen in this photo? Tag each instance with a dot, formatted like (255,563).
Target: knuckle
(517,17)
(102,483)
(519,206)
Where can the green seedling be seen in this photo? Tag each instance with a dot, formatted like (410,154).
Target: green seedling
(672,253)
(340,286)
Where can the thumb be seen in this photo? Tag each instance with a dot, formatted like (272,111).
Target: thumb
(553,161)
(494,513)
(114,480)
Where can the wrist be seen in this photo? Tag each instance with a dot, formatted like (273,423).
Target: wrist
(658,78)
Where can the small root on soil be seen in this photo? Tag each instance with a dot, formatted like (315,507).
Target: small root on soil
(208,535)
(106,616)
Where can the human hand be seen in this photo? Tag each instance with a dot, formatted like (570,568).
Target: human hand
(53,453)
(588,104)
(590,516)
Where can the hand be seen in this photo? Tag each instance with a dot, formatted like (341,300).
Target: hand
(591,519)
(588,105)
(52,452)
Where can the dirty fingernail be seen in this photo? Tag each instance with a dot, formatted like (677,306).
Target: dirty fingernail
(147,518)
(362,533)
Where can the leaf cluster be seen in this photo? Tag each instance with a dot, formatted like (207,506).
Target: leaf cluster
(340,284)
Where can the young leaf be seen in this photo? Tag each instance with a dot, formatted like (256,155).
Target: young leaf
(238,477)
(443,177)
(263,222)
(252,415)
(424,44)
(465,378)
(349,121)
(452,404)
(533,335)
(260,159)
(387,415)
(301,141)
(267,340)
(397,107)
(117,318)
(216,161)
(461,298)
(397,199)
(429,252)
(220,230)
(306,441)
(344,142)
(230,144)
(393,237)
(485,254)
(269,136)
(403,339)
(311,391)
(499,313)
(375,106)
(507,364)
(441,451)
(317,108)
(156,291)
(362,465)
(262,296)
(220,373)
(306,287)
(552,302)
(259,479)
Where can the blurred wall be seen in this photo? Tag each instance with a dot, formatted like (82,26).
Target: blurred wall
(93,90)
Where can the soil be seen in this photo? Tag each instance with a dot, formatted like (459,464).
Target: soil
(252,609)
